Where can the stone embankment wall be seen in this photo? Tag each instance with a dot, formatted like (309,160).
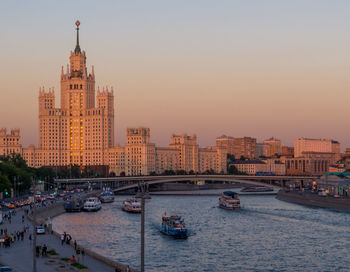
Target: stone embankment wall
(44,213)
(314,200)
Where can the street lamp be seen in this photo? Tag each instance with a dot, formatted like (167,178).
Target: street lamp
(142,189)
(34,229)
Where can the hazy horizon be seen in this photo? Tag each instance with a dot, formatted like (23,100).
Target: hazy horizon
(252,68)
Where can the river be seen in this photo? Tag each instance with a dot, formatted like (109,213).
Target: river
(265,235)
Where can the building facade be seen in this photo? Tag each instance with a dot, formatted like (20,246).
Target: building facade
(81,131)
(310,163)
(287,151)
(272,147)
(251,167)
(139,152)
(187,148)
(10,143)
(239,147)
(317,145)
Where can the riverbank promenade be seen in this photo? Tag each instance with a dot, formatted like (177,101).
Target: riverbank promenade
(19,256)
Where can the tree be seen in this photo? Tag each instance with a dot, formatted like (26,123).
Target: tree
(5,184)
(233,170)
(168,173)
(181,172)
(231,157)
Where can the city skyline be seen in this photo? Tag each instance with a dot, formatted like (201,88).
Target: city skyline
(206,80)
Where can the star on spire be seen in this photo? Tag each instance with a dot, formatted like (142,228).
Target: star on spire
(77,47)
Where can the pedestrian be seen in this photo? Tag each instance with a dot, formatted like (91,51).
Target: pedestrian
(44,250)
(62,239)
(77,252)
(72,260)
(127,269)
(75,245)
(68,239)
(82,255)
(22,218)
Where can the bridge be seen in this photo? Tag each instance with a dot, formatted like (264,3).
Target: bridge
(127,183)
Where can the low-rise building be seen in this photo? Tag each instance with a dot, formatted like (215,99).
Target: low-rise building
(311,163)
(10,143)
(250,167)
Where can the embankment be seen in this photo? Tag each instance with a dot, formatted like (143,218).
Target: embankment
(56,209)
(314,200)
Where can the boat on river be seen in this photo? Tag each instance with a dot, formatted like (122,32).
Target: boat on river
(174,226)
(256,189)
(75,205)
(92,204)
(107,195)
(131,205)
(229,201)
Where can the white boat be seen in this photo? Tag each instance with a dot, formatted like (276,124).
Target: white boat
(132,205)
(92,204)
(107,196)
(229,200)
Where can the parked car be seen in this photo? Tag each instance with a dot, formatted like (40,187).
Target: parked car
(322,192)
(40,230)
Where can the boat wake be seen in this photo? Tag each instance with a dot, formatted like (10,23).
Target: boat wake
(296,216)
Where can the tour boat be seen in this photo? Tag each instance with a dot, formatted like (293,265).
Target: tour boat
(229,200)
(107,196)
(92,204)
(256,189)
(174,226)
(132,205)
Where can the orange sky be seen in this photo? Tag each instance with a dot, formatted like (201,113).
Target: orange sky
(238,68)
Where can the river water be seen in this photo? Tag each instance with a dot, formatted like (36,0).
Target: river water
(265,235)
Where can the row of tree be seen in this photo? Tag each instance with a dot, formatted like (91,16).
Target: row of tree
(15,174)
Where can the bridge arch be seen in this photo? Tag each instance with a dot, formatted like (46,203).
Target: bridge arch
(175,179)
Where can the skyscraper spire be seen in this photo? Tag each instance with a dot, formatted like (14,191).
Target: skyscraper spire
(77,47)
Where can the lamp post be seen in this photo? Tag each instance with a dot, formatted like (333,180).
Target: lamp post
(34,231)
(142,188)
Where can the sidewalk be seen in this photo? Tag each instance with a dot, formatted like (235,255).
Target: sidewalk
(20,255)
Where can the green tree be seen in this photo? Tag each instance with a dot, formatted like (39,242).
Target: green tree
(232,170)
(5,184)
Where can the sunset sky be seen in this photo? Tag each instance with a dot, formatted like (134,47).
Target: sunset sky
(240,68)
